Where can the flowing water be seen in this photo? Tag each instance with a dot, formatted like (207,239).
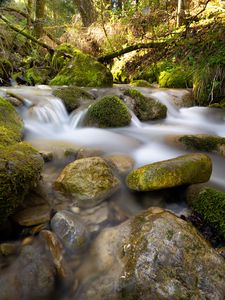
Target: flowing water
(49,128)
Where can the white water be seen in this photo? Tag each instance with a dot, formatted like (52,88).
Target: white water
(46,120)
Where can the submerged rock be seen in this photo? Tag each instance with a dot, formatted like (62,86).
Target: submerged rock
(73,97)
(154,255)
(122,164)
(82,70)
(90,180)
(210,204)
(20,167)
(70,230)
(146,108)
(182,170)
(109,111)
(30,276)
(200,142)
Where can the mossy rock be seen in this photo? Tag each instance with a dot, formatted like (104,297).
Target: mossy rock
(20,167)
(83,70)
(175,78)
(210,204)
(201,142)
(59,59)
(73,97)
(7,137)
(182,170)
(9,118)
(109,111)
(146,108)
(140,83)
(90,180)
(33,76)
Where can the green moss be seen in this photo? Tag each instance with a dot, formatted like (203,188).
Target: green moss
(146,108)
(202,142)
(7,137)
(177,77)
(110,111)
(83,70)
(140,83)
(72,96)
(59,60)
(5,69)
(9,118)
(20,167)
(210,204)
(32,76)
(183,170)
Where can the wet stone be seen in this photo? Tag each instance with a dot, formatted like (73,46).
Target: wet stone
(33,215)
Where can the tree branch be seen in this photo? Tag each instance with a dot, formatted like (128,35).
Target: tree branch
(108,57)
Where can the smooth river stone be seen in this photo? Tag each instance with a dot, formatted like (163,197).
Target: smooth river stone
(183,170)
(89,180)
(33,215)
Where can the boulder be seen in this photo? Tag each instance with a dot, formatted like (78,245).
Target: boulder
(90,180)
(210,205)
(10,123)
(109,111)
(20,168)
(182,170)
(146,108)
(200,142)
(82,70)
(73,97)
(154,255)
(70,230)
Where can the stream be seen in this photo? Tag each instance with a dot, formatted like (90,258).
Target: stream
(48,127)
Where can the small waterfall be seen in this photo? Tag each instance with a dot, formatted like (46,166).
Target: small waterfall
(76,118)
(135,122)
(165,99)
(51,111)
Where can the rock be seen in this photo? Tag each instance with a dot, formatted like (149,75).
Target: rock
(120,163)
(141,83)
(109,111)
(200,142)
(81,70)
(73,97)
(10,123)
(146,108)
(20,168)
(88,152)
(182,170)
(154,255)
(210,204)
(90,180)
(70,230)
(56,250)
(33,215)
(182,97)
(46,155)
(9,249)
(30,276)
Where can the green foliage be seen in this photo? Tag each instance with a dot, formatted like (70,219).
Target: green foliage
(146,108)
(176,77)
(140,83)
(32,76)
(20,167)
(210,204)
(109,111)
(73,96)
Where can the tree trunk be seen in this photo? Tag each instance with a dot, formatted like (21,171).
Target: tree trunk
(180,13)
(29,12)
(39,18)
(87,11)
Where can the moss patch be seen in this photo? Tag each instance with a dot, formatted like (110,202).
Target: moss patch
(140,83)
(146,108)
(210,204)
(202,142)
(175,78)
(110,111)
(20,167)
(73,96)
(9,118)
(83,70)
(7,137)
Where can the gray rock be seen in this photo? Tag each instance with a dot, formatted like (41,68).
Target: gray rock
(154,255)
(70,230)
